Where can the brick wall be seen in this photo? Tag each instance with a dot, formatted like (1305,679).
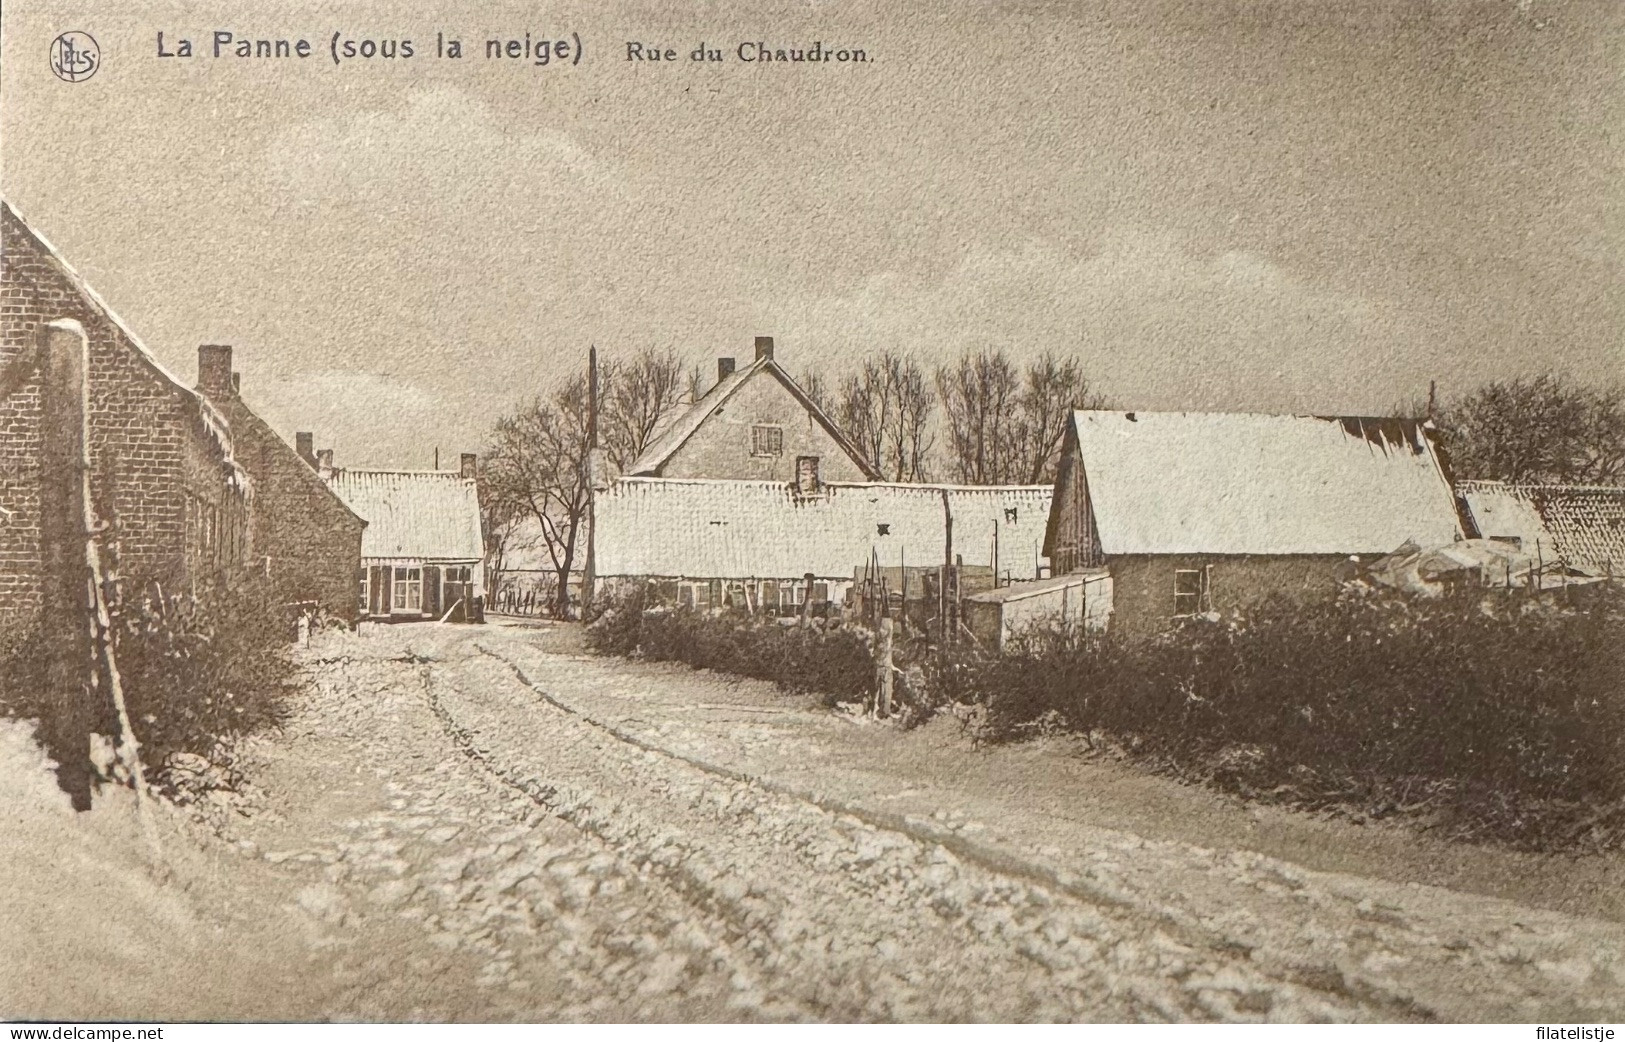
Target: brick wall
(1143,585)
(304,537)
(721,447)
(161,468)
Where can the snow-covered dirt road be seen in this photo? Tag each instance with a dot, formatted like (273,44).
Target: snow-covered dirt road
(594,839)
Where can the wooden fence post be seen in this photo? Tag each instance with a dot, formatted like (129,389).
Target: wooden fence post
(76,614)
(66,587)
(883,666)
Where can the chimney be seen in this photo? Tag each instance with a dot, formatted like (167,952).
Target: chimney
(304,443)
(764,347)
(806,475)
(214,370)
(470,464)
(725,368)
(324,462)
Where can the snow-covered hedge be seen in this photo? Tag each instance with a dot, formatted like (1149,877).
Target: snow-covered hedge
(1499,716)
(826,657)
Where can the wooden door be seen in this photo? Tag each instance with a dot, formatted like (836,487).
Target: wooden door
(378,591)
(431,590)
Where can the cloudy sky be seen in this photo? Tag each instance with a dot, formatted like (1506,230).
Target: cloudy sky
(1241,204)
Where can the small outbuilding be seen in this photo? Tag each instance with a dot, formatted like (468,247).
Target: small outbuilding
(1079,602)
(1574,527)
(423,550)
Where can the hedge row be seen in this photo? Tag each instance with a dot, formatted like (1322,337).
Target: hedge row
(826,657)
(1489,717)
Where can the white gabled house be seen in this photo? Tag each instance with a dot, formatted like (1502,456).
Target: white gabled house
(423,550)
(753,424)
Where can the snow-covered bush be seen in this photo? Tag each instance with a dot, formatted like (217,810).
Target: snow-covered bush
(198,670)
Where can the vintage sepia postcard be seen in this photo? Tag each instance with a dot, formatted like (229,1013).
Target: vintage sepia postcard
(812,511)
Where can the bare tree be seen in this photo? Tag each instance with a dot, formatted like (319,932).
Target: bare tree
(886,409)
(1005,425)
(1052,389)
(637,396)
(500,519)
(813,386)
(978,399)
(536,468)
(1543,429)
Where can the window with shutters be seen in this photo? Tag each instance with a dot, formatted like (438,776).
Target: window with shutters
(408,587)
(766,440)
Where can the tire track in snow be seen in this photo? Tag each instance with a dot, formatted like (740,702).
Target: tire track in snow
(1186,929)
(1322,988)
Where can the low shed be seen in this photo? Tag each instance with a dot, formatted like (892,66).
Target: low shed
(1079,600)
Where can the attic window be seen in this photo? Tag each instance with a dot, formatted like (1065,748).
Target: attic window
(1193,590)
(1010,514)
(766,439)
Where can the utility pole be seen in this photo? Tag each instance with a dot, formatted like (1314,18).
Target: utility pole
(950,583)
(593,466)
(1433,399)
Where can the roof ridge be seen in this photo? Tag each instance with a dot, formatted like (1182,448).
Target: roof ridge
(214,423)
(1251,414)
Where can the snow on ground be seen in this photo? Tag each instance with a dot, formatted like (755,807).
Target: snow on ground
(481,823)
(85,925)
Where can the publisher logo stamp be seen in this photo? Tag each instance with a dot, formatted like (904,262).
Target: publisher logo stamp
(75,57)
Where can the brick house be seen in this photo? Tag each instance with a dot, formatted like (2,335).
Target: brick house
(304,537)
(423,551)
(1207,512)
(753,424)
(164,476)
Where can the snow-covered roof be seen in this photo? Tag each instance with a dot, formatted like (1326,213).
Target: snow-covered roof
(414,514)
(1583,525)
(713,529)
(1246,483)
(1020,591)
(209,419)
(666,443)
